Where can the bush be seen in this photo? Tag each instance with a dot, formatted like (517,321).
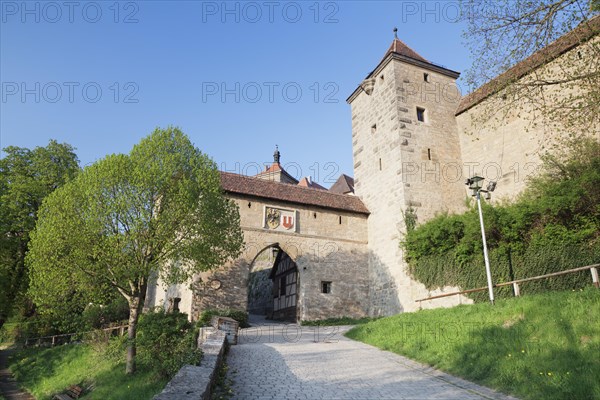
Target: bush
(238,315)
(96,316)
(553,226)
(166,342)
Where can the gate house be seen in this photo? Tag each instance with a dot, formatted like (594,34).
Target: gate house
(338,249)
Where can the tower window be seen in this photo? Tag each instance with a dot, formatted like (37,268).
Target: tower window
(420,114)
(374,128)
(426,77)
(325,287)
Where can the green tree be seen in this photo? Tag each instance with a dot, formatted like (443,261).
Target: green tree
(26,178)
(158,211)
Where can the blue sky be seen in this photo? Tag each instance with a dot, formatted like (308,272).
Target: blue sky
(237,77)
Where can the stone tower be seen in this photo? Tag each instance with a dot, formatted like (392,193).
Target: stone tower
(406,162)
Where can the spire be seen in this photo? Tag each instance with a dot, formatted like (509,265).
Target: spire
(276,155)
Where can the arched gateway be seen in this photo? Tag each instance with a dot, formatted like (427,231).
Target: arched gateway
(305,254)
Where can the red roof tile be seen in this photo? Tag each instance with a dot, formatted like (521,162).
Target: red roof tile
(256,187)
(399,47)
(583,32)
(307,182)
(273,168)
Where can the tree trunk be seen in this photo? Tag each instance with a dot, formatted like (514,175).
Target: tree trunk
(136,303)
(134,314)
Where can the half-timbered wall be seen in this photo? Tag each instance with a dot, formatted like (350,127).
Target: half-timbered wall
(285,288)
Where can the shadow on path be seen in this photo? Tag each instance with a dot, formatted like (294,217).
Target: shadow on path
(8,387)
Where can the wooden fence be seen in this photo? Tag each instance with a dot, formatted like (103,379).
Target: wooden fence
(68,337)
(515,284)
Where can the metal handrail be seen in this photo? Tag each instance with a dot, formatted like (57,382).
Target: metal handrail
(52,341)
(592,268)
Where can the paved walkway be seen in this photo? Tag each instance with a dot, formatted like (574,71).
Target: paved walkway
(8,388)
(275,361)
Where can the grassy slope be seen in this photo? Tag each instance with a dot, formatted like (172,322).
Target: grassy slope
(45,372)
(535,347)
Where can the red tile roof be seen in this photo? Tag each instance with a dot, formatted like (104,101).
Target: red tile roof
(256,187)
(307,182)
(399,47)
(273,168)
(583,32)
(398,50)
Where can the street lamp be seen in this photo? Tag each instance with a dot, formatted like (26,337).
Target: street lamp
(476,184)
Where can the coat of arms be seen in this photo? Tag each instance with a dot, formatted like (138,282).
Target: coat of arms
(273,218)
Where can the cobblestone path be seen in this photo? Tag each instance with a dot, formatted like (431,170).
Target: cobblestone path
(292,362)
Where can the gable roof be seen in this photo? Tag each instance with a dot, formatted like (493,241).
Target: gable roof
(570,40)
(344,184)
(275,168)
(256,187)
(309,183)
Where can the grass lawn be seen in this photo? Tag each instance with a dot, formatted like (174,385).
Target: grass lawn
(45,372)
(535,347)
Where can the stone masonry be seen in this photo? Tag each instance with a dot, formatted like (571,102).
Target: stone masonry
(397,167)
(414,141)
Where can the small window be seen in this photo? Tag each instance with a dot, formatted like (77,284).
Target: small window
(326,287)
(429,154)
(282,286)
(249,205)
(420,114)
(426,77)
(314,215)
(340,219)
(374,128)
(380,166)
(381,79)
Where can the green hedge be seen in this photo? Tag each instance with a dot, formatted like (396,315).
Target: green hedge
(445,270)
(553,226)
(239,315)
(166,342)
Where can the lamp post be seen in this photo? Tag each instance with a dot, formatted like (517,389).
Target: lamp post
(475,184)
